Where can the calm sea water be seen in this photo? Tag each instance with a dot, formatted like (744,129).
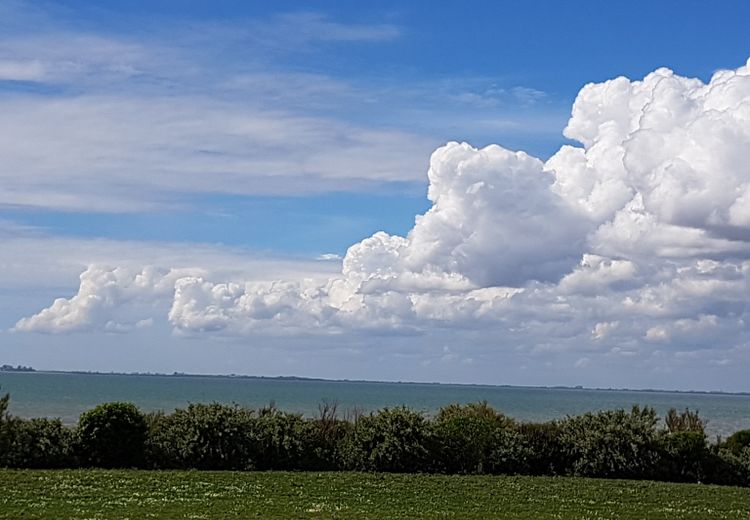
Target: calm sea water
(67,395)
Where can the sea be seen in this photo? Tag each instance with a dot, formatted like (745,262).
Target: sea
(67,395)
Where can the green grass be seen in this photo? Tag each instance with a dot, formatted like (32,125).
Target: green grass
(98,494)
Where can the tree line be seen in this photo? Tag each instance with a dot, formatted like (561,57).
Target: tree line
(460,439)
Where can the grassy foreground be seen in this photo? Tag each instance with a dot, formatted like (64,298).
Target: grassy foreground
(99,494)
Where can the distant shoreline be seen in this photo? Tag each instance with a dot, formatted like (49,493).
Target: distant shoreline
(366,381)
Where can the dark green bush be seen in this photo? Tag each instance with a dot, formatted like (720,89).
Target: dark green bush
(6,428)
(393,440)
(721,466)
(471,438)
(112,435)
(684,457)
(547,455)
(278,440)
(41,443)
(612,444)
(738,441)
(218,436)
(743,466)
(157,454)
(203,436)
(510,453)
(323,437)
(464,436)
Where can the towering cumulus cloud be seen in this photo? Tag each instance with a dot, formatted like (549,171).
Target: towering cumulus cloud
(639,236)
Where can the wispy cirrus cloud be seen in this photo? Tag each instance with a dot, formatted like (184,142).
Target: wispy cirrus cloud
(127,122)
(294,30)
(19,70)
(117,153)
(112,135)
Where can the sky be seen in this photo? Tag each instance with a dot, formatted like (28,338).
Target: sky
(529,193)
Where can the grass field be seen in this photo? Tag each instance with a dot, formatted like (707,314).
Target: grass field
(95,494)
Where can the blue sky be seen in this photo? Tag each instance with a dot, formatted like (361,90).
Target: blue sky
(431,70)
(259,141)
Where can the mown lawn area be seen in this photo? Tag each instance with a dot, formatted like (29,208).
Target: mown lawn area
(95,494)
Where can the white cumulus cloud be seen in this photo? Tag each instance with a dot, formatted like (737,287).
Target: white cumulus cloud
(638,237)
(102,293)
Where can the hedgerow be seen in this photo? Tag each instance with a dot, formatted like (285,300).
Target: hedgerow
(472,438)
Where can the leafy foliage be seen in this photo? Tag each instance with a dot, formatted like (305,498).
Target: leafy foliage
(203,436)
(738,441)
(464,436)
(722,466)
(613,444)
(112,435)
(471,438)
(40,443)
(547,455)
(394,440)
(324,436)
(5,428)
(684,456)
(278,440)
(743,464)
(511,452)
(687,421)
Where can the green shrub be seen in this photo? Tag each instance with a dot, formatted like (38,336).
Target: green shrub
(727,468)
(738,441)
(511,453)
(6,429)
(464,436)
(612,444)
(278,440)
(203,436)
(743,463)
(687,421)
(40,443)
(471,438)
(684,457)
(546,455)
(323,437)
(394,440)
(156,452)
(112,435)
